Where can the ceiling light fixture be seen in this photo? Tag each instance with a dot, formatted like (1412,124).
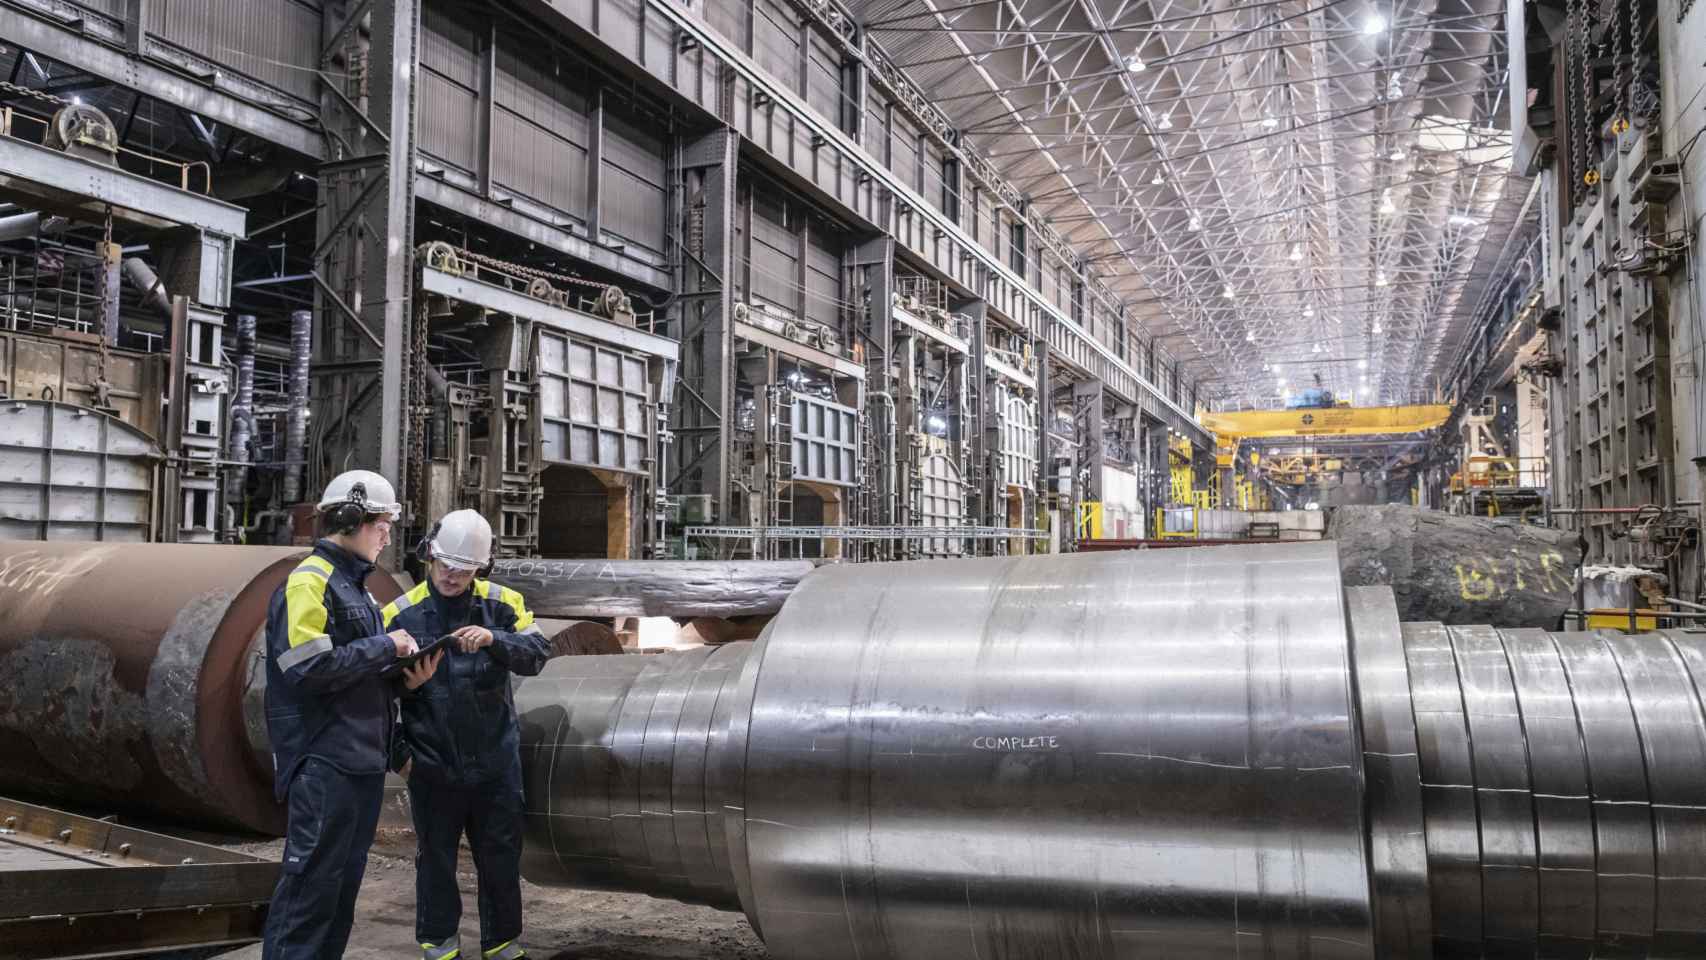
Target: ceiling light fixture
(1135,64)
(1270,121)
(1165,122)
(1316,348)
(1380,278)
(1374,24)
(1386,205)
(1397,155)
(1376,329)
(1196,223)
(1309,311)
(1362,364)
(1158,179)
(1459,220)
(1249,336)
(1296,253)
(1229,292)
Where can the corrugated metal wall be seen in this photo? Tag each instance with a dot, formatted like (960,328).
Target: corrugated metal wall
(449,97)
(539,129)
(277,43)
(823,79)
(634,192)
(823,277)
(773,264)
(776,41)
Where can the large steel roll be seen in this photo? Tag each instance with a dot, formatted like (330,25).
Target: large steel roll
(1208,753)
(1121,755)
(123,670)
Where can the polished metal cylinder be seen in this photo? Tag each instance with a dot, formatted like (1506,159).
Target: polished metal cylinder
(1207,753)
(1094,755)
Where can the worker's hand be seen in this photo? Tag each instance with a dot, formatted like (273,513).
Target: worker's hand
(471,638)
(421,672)
(404,643)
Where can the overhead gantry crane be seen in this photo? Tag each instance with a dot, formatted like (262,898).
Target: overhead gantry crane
(1233,427)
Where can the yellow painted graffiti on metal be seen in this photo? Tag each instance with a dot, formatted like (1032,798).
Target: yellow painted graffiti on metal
(1483,578)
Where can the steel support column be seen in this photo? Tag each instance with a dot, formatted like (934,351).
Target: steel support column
(709,171)
(366,240)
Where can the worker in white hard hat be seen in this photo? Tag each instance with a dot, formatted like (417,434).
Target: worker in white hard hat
(463,741)
(333,677)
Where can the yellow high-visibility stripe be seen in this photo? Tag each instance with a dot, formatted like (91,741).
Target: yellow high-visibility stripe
(404,602)
(510,598)
(305,601)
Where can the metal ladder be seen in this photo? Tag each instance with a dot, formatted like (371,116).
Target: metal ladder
(779,456)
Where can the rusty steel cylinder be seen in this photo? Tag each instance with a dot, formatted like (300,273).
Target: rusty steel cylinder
(123,669)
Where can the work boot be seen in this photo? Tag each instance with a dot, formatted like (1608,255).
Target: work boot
(448,950)
(505,951)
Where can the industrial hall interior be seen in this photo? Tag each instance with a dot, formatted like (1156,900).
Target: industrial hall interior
(852,479)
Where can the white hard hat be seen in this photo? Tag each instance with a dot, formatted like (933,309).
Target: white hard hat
(365,489)
(462,540)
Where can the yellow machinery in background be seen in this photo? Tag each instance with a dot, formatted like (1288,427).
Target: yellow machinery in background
(1325,422)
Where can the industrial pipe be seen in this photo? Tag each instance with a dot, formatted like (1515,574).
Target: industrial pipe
(146,282)
(25,226)
(122,675)
(1219,753)
(242,407)
(296,413)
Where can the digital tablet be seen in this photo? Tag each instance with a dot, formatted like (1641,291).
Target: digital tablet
(426,651)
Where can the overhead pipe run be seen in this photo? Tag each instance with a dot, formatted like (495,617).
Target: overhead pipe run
(1220,754)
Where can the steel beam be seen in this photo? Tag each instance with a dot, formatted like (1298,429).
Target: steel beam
(799,351)
(84,189)
(96,46)
(442,193)
(505,300)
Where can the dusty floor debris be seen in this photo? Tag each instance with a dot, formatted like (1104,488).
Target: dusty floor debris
(560,924)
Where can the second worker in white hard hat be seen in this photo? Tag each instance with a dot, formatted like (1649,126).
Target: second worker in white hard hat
(463,739)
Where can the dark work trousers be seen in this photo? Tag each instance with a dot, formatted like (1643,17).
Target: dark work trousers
(491,815)
(332,816)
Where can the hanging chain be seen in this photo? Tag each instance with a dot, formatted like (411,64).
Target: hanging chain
(1574,120)
(1644,100)
(420,402)
(1620,119)
(1590,163)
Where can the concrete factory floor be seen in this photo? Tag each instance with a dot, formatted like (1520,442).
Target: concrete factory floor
(560,924)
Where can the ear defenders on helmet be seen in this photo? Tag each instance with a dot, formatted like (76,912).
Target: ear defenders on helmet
(346,517)
(423,549)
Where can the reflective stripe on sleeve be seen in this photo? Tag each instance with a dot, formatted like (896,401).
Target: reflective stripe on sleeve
(304,652)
